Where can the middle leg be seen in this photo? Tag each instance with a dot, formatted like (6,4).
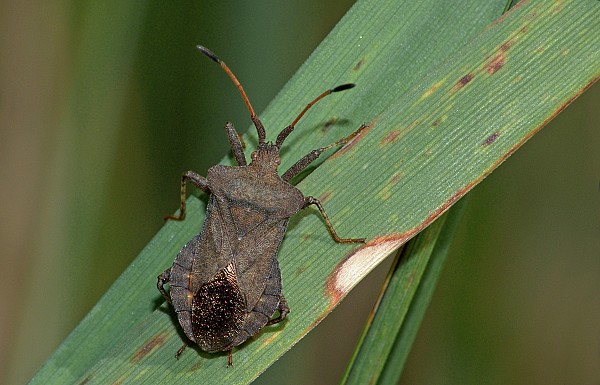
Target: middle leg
(314,201)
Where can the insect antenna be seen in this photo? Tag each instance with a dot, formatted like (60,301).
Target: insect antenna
(257,123)
(288,130)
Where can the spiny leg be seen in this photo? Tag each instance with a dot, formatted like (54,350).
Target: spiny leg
(196,180)
(314,201)
(314,154)
(164,278)
(237,144)
(283,311)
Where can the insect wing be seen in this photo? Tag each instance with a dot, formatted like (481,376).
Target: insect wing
(255,256)
(213,250)
(254,235)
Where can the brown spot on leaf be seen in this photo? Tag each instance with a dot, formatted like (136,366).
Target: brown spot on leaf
(150,345)
(196,366)
(463,82)
(495,64)
(386,191)
(325,196)
(358,65)
(437,122)
(300,270)
(391,137)
(431,90)
(267,341)
(497,61)
(465,79)
(413,125)
(558,6)
(397,133)
(86,380)
(395,178)
(490,139)
(506,45)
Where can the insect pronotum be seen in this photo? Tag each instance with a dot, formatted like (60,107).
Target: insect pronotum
(225,283)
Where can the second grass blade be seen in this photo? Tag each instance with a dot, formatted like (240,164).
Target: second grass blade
(382,350)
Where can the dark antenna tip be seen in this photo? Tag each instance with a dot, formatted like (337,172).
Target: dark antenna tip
(209,53)
(343,87)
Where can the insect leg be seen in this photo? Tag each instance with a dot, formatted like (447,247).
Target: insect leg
(314,154)
(196,180)
(283,311)
(237,144)
(314,201)
(181,349)
(230,357)
(165,277)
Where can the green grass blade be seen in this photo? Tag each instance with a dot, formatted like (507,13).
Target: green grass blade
(388,335)
(432,137)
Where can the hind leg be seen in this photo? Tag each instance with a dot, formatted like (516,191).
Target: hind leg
(164,278)
(283,311)
(181,349)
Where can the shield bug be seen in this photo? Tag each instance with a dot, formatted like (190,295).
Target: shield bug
(225,284)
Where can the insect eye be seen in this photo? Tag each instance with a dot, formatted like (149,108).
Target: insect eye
(254,155)
(277,160)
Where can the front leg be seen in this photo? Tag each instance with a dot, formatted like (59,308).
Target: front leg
(314,201)
(196,180)
(237,144)
(314,154)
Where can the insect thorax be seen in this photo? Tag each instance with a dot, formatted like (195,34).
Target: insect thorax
(241,184)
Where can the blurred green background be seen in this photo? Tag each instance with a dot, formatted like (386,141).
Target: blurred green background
(103,105)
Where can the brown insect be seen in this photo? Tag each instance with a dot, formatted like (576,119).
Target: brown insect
(225,284)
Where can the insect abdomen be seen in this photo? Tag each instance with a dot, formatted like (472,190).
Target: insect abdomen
(218,312)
